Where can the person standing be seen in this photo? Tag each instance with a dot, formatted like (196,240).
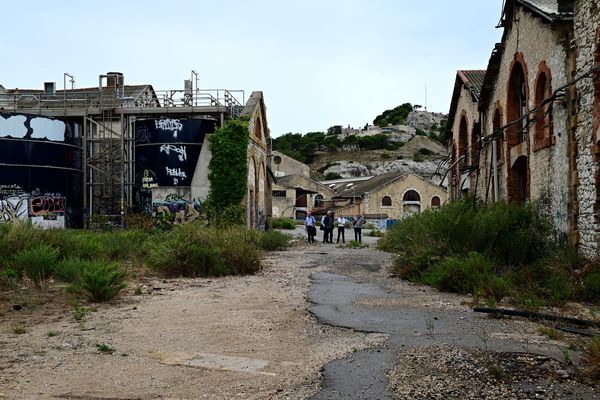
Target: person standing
(341,228)
(311,229)
(327,224)
(357,224)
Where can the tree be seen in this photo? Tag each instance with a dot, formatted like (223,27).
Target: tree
(394,116)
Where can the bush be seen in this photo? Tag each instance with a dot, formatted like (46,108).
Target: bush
(283,223)
(332,175)
(272,241)
(198,250)
(499,246)
(590,289)
(473,273)
(37,262)
(102,281)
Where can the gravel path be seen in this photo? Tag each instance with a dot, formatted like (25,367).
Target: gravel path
(257,337)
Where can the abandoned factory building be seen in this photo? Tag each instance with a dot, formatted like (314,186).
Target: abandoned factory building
(68,156)
(526,128)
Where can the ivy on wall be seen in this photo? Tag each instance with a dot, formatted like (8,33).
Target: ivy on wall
(228,167)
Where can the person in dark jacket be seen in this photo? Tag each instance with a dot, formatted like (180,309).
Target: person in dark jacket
(327,224)
(357,224)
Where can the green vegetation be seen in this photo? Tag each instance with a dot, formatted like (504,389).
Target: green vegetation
(228,168)
(332,175)
(105,348)
(19,328)
(490,251)
(283,223)
(590,362)
(394,116)
(97,265)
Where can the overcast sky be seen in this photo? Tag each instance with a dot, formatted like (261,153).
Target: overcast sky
(318,62)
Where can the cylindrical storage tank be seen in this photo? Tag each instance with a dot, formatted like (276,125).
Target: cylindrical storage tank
(166,154)
(41,171)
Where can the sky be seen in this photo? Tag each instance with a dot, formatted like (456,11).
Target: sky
(318,62)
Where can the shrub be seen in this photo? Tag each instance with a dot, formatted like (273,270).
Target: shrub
(473,273)
(590,361)
(37,262)
(332,175)
(590,290)
(102,281)
(199,250)
(283,223)
(272,241)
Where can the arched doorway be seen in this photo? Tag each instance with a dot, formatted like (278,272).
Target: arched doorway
(519,181)
(411,203)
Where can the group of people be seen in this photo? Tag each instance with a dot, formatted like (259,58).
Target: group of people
(328,225)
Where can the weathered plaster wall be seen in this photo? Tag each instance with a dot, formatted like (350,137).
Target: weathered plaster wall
(536,41)
(396,190)
(287,165)
(587,22)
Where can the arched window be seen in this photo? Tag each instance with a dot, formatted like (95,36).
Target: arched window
(463,142)
(516,105)
(436,202)
(258,128)
(386,201)
(496,124)
(543,119)
(411,195)
(319,200)
(474,153)
(411,203)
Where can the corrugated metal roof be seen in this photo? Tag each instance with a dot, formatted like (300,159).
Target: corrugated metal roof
(473,80)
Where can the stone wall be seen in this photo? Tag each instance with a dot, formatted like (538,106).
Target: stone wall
(587,23)
(535,44)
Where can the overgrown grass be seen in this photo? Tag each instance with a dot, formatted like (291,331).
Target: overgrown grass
(490,251)
(590,362)
(96,263)
(283,223)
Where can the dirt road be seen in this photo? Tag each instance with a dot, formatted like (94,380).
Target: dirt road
(251,337)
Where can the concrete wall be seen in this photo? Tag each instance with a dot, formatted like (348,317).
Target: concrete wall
(287,165)
(534,42)
(587,23)
(396,190)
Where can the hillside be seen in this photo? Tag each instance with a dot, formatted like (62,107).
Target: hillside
(409,145)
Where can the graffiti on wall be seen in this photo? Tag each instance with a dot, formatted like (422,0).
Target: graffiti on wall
(46,210)
(13,208)
(177,209)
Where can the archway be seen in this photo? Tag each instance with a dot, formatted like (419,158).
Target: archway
(519,181)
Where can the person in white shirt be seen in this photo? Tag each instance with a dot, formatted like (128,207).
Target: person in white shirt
(311,230)
(341,228)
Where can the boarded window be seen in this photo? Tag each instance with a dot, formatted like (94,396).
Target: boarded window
(386,201)
(436,201)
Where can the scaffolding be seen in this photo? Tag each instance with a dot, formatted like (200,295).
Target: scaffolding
(108,115)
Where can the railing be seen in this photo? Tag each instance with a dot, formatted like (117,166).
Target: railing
(110,98)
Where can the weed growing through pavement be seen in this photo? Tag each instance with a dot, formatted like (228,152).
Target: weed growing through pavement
(52,333)
(430,325)
(79,311)
(105,348)
(19,328)
(551,333)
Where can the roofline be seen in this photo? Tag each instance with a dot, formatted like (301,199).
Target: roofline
(402,176)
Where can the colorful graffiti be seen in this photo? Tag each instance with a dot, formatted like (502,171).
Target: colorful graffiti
(44,210)
(177,209)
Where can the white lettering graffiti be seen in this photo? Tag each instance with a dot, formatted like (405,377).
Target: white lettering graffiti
(167,148)
(168,124)
(176,172)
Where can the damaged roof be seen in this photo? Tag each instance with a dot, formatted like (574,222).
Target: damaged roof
(472,80)
(550,10)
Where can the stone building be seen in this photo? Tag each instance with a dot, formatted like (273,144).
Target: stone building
(389,196)
(294,195)
(539,108)
(463,122)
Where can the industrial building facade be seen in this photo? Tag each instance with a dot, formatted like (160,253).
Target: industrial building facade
(533,133)
(68,156)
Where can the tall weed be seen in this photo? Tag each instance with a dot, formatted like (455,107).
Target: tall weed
(37,262)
